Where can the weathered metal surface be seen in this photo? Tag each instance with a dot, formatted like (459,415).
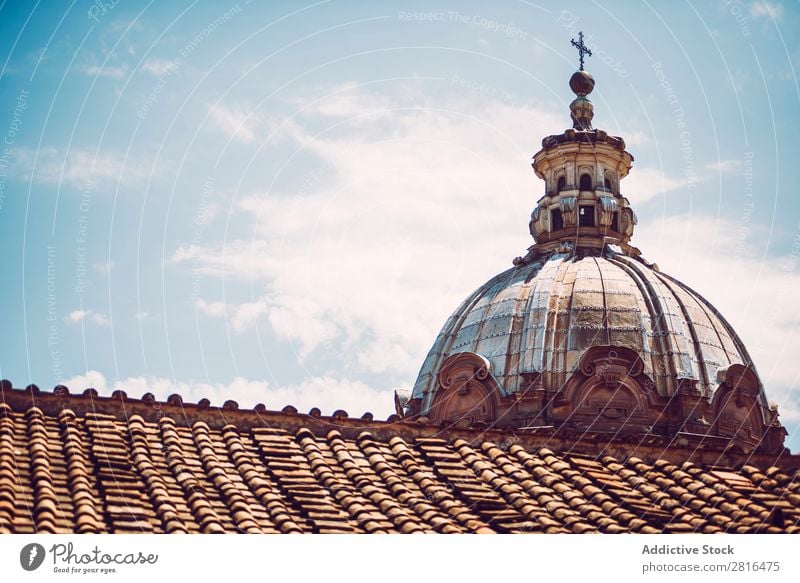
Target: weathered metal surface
(543,317)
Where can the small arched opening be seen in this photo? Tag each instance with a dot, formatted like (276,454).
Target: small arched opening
(586,216)
(608,181)
(556,220)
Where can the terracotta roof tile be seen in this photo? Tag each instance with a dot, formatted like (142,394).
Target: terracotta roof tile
(98,464)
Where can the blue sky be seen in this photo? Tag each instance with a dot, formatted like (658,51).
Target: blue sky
(282,204)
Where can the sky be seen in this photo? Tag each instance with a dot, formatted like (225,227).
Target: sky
(282,203)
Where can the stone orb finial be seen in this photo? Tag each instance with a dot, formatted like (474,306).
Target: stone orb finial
(581,83)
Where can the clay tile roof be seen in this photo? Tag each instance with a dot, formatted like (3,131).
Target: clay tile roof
(84,463)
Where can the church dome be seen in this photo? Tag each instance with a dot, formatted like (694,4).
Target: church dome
(583,334)
(542,317)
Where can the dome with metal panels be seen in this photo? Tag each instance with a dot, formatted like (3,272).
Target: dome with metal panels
(582,334)
(541,317)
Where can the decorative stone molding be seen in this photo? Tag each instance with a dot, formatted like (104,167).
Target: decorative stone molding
(607,207)
(468,394)
(569,210)
(627,222)
(687,408)
(607,392)
(736,411)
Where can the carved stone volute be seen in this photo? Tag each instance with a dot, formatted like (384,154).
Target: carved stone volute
(736,411)
(467,394)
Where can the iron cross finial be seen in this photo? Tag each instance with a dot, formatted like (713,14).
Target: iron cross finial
(582,48)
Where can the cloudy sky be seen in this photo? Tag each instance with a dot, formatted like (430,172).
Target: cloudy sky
(282,204)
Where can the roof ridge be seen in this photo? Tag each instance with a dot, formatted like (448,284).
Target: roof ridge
(175,399)
(120,407)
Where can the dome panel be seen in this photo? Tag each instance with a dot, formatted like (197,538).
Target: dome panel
(625,337)
(719,345)
(672,346)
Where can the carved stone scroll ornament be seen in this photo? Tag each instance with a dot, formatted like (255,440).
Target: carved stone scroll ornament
(608,392)
(467,394)
(735,407)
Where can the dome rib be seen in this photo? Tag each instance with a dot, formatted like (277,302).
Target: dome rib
(607,324)
(660,328)
(425,384)
(495,326)
(514,351)
(535,325)
(722,342)
(741,349)
(663,311)
(554,318)
(697,344)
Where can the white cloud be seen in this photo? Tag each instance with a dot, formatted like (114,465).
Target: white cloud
(79,168)
(248,259)
(283,318)
(418,210)
(346,101)
(242,317)
(103,266)
(206,214)
(210,308)
(76,316)
(635,138)
(643,184)
(236,122)
(325,392)
(143,316)
(725,166)
(247,314)
(91,380)
(101,319)
(764,9)
(106,71)
(405,205)
(159,67)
